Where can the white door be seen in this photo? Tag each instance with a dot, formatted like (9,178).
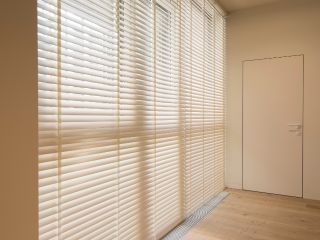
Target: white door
(272,125)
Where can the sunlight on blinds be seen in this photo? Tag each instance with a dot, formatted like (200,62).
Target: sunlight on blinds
(131,115)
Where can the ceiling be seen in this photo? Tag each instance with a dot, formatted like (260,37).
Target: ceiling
(235,5)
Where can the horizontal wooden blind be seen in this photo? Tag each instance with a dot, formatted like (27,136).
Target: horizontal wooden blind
(131,115)
(202,66)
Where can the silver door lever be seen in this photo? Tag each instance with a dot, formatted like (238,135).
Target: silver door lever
(296,125)
(295,128)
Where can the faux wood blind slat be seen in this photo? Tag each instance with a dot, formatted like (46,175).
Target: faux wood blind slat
(131,115)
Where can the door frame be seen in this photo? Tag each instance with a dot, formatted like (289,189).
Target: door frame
(303,106)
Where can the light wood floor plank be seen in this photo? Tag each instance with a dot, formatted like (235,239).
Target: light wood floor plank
(246,215)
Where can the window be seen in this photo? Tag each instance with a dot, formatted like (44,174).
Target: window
(131,115)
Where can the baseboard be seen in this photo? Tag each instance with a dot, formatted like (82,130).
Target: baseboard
(234,186)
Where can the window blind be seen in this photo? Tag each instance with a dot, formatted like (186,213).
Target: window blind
(136,120)
(202,86)
(169,170)
(131,115)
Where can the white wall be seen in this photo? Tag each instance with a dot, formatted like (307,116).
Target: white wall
(286,28)
(18,120)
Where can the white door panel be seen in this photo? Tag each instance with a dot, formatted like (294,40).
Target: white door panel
(272,125)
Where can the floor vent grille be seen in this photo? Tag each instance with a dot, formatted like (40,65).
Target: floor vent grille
(178,232)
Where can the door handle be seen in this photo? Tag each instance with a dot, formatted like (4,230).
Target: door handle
(295,128)
(298,125)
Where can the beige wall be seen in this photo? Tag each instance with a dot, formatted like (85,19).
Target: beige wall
(286,28)
(18,120)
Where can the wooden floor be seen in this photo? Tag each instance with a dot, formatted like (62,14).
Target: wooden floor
(245,215)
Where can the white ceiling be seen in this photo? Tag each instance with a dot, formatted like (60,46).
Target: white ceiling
(235,5)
